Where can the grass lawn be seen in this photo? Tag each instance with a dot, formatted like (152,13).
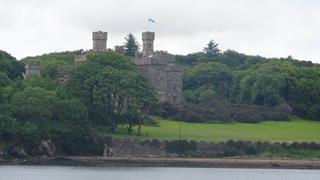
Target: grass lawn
(295,130)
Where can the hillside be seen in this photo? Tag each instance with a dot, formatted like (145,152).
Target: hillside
(227,96)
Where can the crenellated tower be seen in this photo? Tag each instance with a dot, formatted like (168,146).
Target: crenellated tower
(99,41)
(148,43)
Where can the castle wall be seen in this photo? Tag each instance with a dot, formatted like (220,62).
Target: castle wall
(157,77)
(165,76)
(159,67)
(174,85)
(32,69)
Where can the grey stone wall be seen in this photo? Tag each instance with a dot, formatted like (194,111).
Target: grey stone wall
(80,58)
(32,69)
(148,43)
(164,74)
(99,41)
(135,148)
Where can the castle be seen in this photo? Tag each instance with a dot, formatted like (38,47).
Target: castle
(159,67)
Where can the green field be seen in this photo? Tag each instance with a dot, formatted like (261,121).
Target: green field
(295,130)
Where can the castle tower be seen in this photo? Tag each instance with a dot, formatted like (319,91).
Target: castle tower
(99,41)
(148,41)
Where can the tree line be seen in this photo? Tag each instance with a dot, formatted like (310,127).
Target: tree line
(107,90)
(253,80)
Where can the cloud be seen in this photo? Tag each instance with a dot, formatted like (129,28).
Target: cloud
(270,28)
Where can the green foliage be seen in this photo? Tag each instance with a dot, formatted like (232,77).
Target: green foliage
(10,66)
(303,93)
(264,86)
(77,140)
(111,87)
(34,104)
(200,94)
(8,128)
(4,80)
(131,45)
(212,49)
(71,110)
(253,80)
(191,59)
(54,64)
(223,111)
(209,77)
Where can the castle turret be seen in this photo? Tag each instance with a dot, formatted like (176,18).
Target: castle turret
(148,41)
(99,41)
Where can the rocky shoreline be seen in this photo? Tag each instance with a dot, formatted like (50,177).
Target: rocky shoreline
(165,162)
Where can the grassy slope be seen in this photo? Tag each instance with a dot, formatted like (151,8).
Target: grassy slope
(296,130)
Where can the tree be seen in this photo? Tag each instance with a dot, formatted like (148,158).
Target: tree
(71,110)
(131,45)
(10,66)
(263,85)
(4,80)
(206,76)
(212,49)
(111,86)
(34,104)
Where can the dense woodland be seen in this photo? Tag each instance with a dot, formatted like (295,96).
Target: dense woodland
(283,83)
(107,89)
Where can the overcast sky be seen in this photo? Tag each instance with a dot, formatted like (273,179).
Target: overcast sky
(271,28)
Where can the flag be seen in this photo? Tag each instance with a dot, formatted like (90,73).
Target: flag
(151,20)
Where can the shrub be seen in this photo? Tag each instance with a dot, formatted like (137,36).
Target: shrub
(180,146)
(78,141)
(222,111)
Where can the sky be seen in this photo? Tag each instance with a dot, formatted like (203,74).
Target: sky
(270,28)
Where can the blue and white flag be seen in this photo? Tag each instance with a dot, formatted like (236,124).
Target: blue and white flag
(151,20)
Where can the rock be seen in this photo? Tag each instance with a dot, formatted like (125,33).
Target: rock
(19,151)
(47,147)
(107,151)
(2,152)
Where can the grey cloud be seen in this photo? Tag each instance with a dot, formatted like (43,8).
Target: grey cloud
(266,27)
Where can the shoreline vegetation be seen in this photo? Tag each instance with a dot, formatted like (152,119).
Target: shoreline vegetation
(95,161)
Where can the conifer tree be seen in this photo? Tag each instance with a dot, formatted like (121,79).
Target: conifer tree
(131,45)
(212,49)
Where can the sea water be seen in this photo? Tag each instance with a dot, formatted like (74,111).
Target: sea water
(109,173)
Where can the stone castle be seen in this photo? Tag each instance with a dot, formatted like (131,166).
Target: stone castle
(159,67)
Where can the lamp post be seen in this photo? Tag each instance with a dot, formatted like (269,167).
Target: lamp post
(180,129)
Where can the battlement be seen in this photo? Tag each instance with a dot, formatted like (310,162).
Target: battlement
(148,36)
(99,35)
(165,56)
(80,58)
(119,49)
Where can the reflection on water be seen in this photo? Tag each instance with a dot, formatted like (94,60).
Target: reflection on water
(89,173)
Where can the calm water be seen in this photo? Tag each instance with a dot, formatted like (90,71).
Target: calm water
(85,173)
